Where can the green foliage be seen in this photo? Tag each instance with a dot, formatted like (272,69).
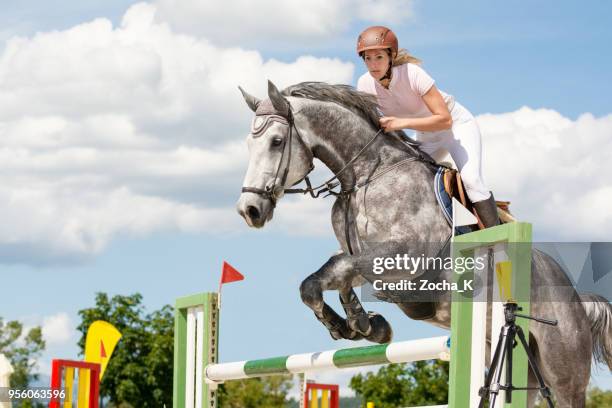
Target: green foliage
(350,402)
(396,385)
(269,392)
(597,398)
(21,352)
(139,374)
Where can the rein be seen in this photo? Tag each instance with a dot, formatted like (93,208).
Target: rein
(328,186)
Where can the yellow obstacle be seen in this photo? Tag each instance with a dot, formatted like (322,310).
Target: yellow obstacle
(83,390)
(69,381)
(329,395)
(62,377)
(314,398)
(324,398)
(83,398)
(504,277)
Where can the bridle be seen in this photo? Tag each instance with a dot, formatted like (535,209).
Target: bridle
(275,191)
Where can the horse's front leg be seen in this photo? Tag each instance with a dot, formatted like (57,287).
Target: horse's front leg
(371,325)
(339,273)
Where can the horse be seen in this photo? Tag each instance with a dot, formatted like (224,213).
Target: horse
(385,205)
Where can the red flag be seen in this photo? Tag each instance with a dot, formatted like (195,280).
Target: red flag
(230,274)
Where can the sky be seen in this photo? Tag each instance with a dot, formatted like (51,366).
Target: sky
(122,146)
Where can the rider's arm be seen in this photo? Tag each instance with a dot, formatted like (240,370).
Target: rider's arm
(440,118)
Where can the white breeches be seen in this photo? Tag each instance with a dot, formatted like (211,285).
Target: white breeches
(463,143)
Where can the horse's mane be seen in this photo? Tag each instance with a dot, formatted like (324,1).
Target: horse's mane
(361,103)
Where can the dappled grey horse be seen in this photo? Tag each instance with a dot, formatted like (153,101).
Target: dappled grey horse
(385,204)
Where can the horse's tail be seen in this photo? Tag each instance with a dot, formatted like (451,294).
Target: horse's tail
(599,313)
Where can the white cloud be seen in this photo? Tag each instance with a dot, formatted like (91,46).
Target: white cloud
(57,329)
(126,130)
(278,22)
(550,167)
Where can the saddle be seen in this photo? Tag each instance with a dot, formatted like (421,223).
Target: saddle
(453,186)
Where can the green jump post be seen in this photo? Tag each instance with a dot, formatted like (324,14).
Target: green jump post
(517,237)
(207,303)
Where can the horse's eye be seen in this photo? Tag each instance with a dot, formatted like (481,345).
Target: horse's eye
(277,141)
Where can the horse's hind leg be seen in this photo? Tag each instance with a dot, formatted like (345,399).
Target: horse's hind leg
(564,396)
(339,273)
(563,352)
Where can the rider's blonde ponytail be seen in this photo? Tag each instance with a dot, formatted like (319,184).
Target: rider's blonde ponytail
(403,57)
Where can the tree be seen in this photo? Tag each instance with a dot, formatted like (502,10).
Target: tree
(269,392)
(429,383)
(394,385)
(22,353)
(597,398)
(139,373)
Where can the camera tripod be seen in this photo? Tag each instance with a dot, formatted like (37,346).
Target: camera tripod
(503,354)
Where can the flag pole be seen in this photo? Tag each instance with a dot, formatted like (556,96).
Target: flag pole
(219,295)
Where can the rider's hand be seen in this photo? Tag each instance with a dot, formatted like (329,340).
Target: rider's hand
(391,123)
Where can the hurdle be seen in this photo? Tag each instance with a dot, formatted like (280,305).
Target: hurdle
(62,377)
(198,373)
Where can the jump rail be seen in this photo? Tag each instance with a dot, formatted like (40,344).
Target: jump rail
(399,352)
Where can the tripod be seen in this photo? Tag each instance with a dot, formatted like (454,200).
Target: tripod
(503,353)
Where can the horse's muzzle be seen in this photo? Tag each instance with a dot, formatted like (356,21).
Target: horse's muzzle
(255,209)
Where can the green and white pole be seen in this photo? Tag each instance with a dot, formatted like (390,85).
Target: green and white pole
(400,352)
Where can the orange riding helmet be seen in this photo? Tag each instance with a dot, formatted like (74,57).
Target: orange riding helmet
(377,38)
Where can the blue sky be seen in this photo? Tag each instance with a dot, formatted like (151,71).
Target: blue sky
(123,146)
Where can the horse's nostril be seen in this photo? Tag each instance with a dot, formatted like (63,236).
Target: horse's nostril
(253,212)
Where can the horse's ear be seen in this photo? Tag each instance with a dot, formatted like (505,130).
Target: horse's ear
(252,101)
(278,101)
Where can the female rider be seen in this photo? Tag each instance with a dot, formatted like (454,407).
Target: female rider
(409,99)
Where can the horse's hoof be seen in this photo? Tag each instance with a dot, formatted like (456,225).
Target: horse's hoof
(360,323)
(336,335)
(346,334)
(354,336)
(381,331)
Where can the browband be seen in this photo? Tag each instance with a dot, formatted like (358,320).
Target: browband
(261,123)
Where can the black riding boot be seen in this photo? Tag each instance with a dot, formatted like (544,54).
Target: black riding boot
(487,212)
